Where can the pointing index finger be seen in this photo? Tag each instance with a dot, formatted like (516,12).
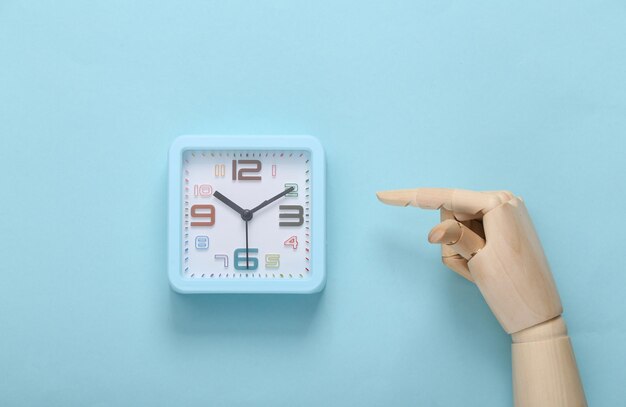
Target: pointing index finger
(456,200)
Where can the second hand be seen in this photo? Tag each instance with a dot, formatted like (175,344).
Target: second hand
(247,265)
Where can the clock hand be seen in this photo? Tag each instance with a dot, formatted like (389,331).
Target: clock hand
(228,202)
(272,199)
(247,265)
(246,215)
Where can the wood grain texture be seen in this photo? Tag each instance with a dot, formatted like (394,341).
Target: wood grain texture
(512,272)
(449,257)
(513,275)
(545,373)
(457,236)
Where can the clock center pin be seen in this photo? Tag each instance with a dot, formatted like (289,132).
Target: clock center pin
(246,215)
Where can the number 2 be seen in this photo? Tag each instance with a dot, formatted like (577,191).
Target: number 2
(294,193)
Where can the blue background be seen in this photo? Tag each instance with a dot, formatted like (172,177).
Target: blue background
(484,95)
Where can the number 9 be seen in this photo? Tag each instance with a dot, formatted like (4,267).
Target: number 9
(210,214)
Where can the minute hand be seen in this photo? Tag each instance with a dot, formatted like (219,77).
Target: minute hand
(269,201)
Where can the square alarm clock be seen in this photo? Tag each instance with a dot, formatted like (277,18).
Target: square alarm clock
(246,214)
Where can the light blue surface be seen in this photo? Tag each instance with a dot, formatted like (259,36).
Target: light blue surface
(528,96)
(317,278)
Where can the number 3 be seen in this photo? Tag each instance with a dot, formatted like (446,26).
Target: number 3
(299,215)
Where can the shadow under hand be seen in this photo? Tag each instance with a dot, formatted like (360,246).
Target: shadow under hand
(243,314)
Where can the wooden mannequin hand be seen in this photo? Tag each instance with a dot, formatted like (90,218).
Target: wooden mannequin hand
(488,238)
(511,270)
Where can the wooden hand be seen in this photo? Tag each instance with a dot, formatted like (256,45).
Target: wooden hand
(489,238)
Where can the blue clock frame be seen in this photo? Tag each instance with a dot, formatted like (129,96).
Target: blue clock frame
(185,285)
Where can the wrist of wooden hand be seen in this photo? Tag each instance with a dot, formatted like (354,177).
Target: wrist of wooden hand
(550,329)
(544,367)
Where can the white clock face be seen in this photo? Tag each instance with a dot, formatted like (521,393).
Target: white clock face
(246,214)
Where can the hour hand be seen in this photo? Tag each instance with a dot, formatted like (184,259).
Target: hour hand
(228,202)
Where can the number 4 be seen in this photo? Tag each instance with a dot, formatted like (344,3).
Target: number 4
(292,241)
